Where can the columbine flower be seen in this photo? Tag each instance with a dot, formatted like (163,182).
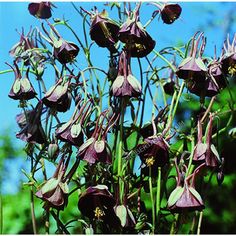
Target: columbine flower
(40,10)
(137,41)
(58,96)
(71,131)
(229,57)
(192,69)
(125,83)
(55,191)
(97,204)
(65,51)
(185,197)
(154,152)
(32,131)
(21,89)
(103,30)
(96,148)
(170,12)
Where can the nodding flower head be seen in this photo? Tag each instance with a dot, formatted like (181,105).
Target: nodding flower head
(20,48)
(96,148)
(32,131)
(125,83)
(58,96)
(71,131)
(40,10)
(193,68)
(229,57)
(103,30)
(97,204)
(137,41)
(185,197)
(54,191)
(22,88)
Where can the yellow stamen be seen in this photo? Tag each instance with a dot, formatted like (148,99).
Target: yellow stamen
(98,213)
(150,161)
(232,69)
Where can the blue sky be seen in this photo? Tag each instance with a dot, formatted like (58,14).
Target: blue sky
(214,18)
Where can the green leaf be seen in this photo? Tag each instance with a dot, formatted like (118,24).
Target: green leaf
(121,212)
(196,194)
(16,86)
(25,84)
(75,130)
(50,185)
(86,144)
(175,195)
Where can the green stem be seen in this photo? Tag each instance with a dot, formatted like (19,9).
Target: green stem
(173,226)
(152,200)
(190,168)
(1,215)
(158,196)
(33,210)
(199,222)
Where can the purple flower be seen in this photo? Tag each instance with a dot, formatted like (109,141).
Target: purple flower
(58,96)
(193,68)
(125,83)
(55,191)
(32,131)
(137,41)
(97,203)
(170,12)
(40,10)
(71,131)
(103,30)
(185,197)
(21,89)
(229,57)
(96,148)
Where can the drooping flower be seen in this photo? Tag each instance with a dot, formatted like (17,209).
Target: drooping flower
(154,153)
(193,68)
(22,88)
(32,131)
(125,83)
(170,12)
(58,96)
(55,191)
(103,30)
(185,197)
(65,51)
(71,131)
(96,148)
(228,59)
(137,41)
(40,10)
(97,203)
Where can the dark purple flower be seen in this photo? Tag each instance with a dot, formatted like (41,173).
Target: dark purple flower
(154,152)
(125,83)
(40,10)
(32,131)
(185,197)
(71,131)
(170,12)
(229,57)
(55,191)
(137,41)
(96,148)
(193,68)
(103,30)
(97,203)
(21,89)
(58,96)
(65,51)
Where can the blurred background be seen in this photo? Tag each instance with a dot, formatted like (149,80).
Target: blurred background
(216,19)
